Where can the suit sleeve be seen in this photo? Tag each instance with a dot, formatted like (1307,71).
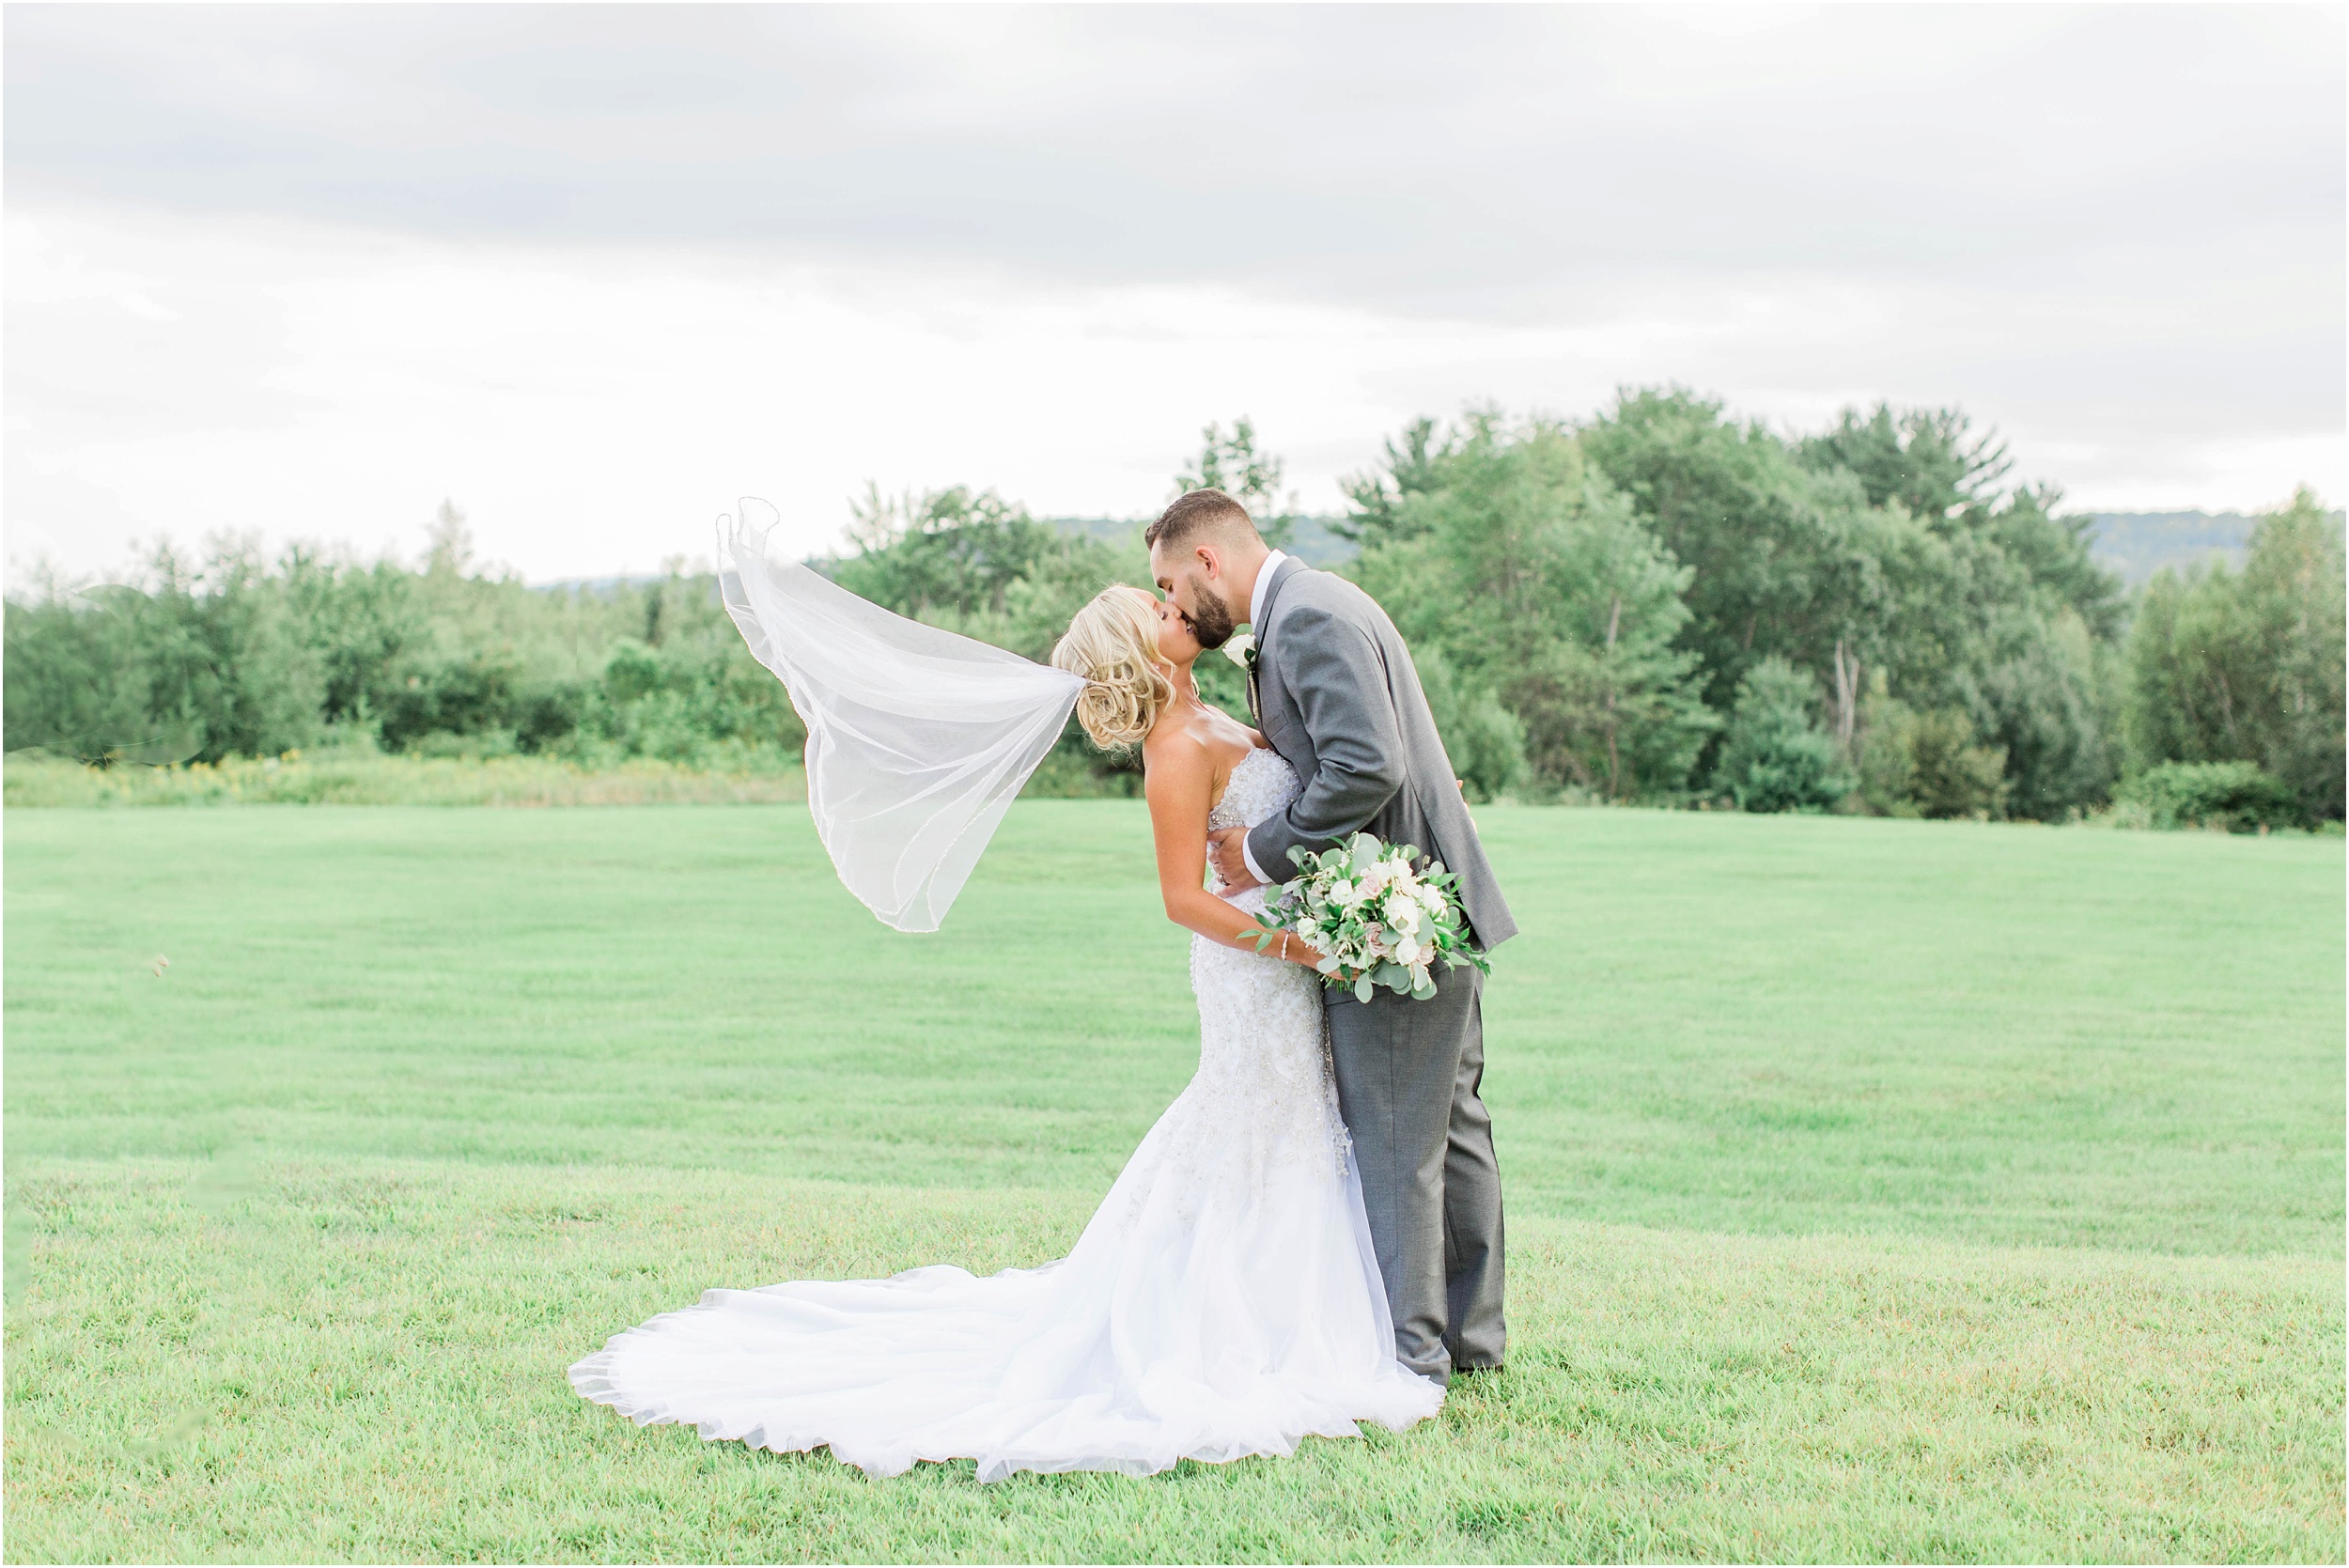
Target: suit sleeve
(1335,671)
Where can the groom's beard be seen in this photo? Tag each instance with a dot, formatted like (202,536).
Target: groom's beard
(1211,623)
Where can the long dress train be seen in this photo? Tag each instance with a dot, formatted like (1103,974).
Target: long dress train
(1223,1300)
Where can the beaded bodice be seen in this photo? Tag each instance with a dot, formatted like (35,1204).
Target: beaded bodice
(1260,784)
(1263,1095)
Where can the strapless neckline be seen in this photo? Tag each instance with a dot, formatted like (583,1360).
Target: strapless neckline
(1251,792)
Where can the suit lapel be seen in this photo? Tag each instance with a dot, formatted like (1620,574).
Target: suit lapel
(1260,626)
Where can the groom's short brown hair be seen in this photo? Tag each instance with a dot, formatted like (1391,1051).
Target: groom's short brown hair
(1196,512)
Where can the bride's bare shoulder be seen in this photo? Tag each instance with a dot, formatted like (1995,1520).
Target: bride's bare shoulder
(1178,748)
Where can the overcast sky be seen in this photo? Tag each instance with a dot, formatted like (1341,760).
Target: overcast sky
(593,271)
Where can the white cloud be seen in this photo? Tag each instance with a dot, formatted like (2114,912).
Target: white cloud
(594,270)
(595,410)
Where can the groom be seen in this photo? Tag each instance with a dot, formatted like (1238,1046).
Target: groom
(1332,688)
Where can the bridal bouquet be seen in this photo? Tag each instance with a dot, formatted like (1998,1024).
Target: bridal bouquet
(1374,919)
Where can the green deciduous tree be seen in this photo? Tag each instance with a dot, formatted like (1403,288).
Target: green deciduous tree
(2247,666)
(1233,465)
(1485,740)
(235,657)
(1657,596)
(1882,547)
(199,661)
(1991,604)
(1504,547)
(954,550)
(1783,559)
(76,681)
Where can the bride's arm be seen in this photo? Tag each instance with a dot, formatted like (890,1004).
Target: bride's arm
(1179,776)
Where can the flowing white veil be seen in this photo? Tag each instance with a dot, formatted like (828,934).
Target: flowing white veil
(917,739)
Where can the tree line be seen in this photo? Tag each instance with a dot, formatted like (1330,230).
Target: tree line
(232,656)
(1659,604)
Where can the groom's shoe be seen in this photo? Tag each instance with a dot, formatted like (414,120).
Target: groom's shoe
(1471,1371)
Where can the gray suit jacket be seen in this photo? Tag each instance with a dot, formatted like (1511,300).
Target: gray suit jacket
(1335,694)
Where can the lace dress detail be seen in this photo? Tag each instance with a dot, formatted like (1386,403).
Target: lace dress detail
(1223,1301)
(1257,1013)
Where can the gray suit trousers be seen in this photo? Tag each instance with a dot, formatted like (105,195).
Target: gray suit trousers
(1408,1078)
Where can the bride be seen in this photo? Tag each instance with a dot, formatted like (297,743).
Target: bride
(1225,1300)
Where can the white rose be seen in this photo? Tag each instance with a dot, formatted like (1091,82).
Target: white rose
(1236,648)
(1344,895)
(1407,951)
(1433,898)
(1401,911)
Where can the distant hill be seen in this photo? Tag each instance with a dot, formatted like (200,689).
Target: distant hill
(2138,544)
(599,584)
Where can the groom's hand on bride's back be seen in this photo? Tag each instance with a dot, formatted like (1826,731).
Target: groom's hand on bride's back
(1230,861)
(1230,864)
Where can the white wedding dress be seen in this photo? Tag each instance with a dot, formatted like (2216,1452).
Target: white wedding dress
(1223,1300)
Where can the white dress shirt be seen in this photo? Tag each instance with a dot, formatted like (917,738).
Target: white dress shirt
(1256,602)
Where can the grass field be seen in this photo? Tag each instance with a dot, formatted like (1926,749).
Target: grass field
(1877,1189)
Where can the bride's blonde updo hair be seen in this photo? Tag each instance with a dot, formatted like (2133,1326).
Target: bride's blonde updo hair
(1113,645)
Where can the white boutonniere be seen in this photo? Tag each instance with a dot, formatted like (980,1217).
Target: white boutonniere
(1242,650)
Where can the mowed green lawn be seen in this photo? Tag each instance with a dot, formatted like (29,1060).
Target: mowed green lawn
(1877,1189)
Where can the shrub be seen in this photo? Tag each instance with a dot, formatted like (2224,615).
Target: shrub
(2233,796)
(2248,667)
(1954,777)
(360,777)
(1775,757)
(1914,764)
(1888,755)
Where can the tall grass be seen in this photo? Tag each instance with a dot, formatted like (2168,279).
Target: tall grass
(368,778)
(356,776)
